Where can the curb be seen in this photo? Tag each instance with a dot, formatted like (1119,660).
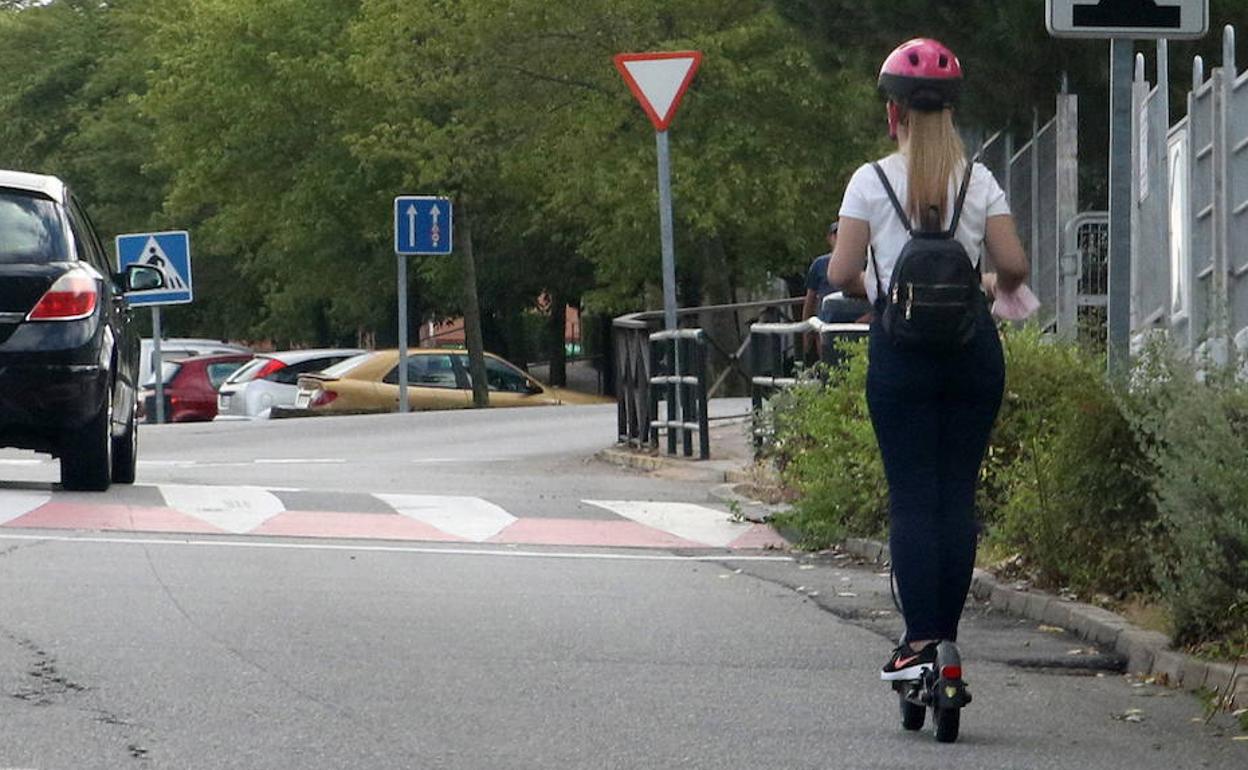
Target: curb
(1148,653)
(748,508)
(701,470)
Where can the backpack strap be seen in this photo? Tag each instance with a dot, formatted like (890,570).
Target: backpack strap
(892,196)
(901,214)
(957,206)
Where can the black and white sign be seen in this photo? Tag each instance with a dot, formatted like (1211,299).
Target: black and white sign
(1128,18)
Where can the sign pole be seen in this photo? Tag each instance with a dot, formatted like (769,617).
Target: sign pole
(669,262)
(402,269)
(1121,58)
(158,366)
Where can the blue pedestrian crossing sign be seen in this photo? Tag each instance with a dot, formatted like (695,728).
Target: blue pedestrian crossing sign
(168,252)
(422,225)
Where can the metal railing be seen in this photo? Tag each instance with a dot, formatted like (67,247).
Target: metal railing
(680,358)
(636,365)
(773,371)
(1085,263)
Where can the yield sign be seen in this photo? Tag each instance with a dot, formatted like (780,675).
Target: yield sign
(659,80)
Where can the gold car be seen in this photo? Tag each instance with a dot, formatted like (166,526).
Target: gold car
(436,379)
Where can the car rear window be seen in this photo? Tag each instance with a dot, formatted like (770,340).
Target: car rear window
(168,371)
(341,368)
(249,370)
(220,372)
(31,229)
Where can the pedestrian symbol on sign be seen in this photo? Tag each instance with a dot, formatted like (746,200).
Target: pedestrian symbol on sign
(154,256)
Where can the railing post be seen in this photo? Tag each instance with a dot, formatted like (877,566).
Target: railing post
(704,419)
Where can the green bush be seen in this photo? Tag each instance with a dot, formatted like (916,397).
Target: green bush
(820,437)
(1195,431)
(1104,490)
(1061,484)
(1066,484)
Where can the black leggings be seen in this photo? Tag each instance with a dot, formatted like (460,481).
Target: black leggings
(933,414)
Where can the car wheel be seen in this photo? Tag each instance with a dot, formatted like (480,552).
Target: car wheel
(86,456)
(126,452)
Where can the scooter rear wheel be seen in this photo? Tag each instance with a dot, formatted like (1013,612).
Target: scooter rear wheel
(946,722)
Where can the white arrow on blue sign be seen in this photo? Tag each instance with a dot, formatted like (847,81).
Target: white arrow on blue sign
(169,252)
(422,225)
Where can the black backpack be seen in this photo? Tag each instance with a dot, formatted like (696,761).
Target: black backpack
(935,296)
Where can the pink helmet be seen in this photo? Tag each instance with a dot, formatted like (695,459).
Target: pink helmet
(922,74)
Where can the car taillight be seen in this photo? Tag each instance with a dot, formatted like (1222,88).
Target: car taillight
(72,297)
(272,367)
(324,397)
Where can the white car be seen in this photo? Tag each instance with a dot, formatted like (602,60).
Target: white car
(270,379)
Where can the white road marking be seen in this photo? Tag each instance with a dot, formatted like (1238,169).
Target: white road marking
(168,463)
(687,520)
(233,509)
(15,503)
(24,461)
(468,517)
(280,545)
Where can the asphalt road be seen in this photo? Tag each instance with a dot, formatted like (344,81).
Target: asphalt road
(135,649)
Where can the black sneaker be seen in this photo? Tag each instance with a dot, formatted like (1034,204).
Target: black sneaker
(906,663)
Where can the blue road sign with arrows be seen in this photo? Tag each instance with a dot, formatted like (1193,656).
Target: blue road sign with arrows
(169,252)
(422,225)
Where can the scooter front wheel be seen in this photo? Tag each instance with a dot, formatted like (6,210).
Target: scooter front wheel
(912,714)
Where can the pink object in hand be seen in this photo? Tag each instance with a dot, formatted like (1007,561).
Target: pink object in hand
(1015,305)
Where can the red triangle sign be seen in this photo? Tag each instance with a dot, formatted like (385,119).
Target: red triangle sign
(659,80)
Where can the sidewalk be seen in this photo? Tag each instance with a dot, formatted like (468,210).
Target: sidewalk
(1147,654)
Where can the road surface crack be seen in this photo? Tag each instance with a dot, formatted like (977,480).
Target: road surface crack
(45,684)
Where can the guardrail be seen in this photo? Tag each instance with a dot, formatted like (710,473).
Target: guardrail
(681,359)
(635,365)
(773,370)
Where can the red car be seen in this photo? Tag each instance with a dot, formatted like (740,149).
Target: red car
(190,386)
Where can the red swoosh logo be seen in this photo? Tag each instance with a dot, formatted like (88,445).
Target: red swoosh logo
(903,662)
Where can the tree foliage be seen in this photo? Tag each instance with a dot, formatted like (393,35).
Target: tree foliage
(279,132)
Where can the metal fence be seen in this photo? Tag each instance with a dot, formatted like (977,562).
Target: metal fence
(1040,179)
(1190,204)
(644,379)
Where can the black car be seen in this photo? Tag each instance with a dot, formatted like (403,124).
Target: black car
(68,353)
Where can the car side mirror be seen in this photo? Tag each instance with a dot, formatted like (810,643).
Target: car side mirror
(533,389)
(142,278)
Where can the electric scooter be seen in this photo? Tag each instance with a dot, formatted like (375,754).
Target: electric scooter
(940,689)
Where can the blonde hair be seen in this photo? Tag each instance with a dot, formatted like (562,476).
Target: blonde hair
(935,153)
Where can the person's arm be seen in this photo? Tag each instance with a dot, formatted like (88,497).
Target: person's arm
(1006,251)
(849,259)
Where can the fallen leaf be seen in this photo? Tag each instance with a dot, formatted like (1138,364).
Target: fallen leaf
(1053,629)
(846,594)
(807,566)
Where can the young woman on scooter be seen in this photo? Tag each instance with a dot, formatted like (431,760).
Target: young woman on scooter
(932,409)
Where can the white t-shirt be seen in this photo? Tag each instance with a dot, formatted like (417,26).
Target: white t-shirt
(866,199)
